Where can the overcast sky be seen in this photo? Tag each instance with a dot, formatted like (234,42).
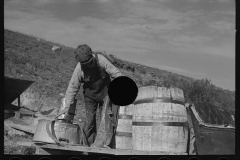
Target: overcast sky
(195,38)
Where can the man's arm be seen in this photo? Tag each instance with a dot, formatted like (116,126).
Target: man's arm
(109,67)
(74,86)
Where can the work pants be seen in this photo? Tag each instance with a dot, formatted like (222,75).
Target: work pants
(90,126)
(107,127)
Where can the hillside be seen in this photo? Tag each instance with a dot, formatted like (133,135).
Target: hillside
(31,58)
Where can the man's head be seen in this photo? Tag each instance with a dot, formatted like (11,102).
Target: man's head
(83,54)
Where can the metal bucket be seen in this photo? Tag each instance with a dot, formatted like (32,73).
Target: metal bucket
(60,131)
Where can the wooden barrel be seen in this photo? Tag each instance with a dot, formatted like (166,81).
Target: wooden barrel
(160,120)
(124,128)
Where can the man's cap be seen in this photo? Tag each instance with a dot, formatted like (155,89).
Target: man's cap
(83,54)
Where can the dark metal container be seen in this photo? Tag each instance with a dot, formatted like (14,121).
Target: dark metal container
(214,129)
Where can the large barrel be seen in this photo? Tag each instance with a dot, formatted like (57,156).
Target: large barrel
(124,128)
(160,120)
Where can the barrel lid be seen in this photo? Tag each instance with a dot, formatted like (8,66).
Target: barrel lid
(158,100)
(151,92)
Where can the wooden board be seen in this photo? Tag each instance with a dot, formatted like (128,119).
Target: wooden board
(29,129)
(53,149)
(61,150)
(47,151)
(13,88)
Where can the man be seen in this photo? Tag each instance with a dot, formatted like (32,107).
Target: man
(96,77)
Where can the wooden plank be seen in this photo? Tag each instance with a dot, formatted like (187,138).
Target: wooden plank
(8,114)
(191,138)
(13,88)
(19,105)
(37,152)
(29,144)
(28,129)
(105,150)
(9,106)
(47,151)
(24,111)
(17,115)
(76,148)
(50,150)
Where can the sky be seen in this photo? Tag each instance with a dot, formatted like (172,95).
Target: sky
(194,38)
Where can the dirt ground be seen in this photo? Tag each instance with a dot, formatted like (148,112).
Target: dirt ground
(11,137)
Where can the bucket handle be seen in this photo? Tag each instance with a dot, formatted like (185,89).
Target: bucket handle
(50,134)
(48,131)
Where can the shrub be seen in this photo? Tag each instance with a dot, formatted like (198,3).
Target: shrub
(202,91)
(150,82)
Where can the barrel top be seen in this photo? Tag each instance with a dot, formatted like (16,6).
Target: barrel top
(148,92)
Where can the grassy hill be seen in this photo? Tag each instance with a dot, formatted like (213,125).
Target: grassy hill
(31,58)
